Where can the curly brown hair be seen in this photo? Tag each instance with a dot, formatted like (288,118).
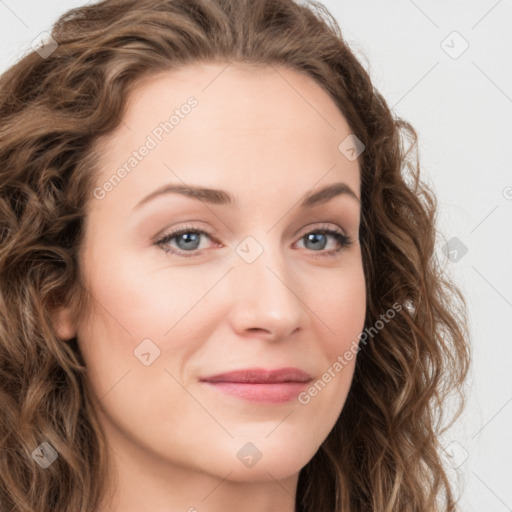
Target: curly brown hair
(383,453)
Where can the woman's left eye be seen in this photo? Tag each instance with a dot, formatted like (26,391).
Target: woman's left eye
(188,240)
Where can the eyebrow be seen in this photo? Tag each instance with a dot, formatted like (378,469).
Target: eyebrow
(221,197)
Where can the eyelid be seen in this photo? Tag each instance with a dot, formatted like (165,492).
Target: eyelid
(188,226)
(320,226)
(213,233)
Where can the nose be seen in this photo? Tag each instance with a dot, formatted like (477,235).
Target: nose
(267,301)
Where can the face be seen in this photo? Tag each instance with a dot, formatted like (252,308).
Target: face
(188,286)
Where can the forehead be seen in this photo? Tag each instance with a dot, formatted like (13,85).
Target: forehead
(251,124)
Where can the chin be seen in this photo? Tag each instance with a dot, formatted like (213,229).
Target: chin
(266,471)
(267,462)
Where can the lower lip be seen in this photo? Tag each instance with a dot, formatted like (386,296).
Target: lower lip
(275,393)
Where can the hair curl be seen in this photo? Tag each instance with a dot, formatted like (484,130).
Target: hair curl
(383,453)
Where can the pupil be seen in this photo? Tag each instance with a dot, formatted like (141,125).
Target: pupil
(188,237)
(314,237)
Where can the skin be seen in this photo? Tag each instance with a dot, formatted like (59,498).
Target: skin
(267,136)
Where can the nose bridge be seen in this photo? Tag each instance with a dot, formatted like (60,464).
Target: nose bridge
(266,295)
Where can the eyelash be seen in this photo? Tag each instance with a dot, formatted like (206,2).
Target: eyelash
(343,240)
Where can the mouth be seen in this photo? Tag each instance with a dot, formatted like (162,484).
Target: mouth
(260,385)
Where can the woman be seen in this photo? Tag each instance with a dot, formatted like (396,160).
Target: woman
(218,280)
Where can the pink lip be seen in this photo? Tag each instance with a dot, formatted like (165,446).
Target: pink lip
(259,385)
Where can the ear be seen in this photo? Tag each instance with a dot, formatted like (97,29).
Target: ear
(63,323)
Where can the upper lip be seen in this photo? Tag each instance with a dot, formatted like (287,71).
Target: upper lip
(260,375)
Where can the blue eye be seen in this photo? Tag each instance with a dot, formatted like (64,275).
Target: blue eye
(190,243)
(188,240)
(318,236)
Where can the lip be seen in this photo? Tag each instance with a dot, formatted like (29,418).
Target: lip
(261,376)
(260,385)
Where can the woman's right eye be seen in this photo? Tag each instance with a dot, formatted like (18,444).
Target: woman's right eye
(190,243)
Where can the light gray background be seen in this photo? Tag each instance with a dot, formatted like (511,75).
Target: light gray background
(461,106)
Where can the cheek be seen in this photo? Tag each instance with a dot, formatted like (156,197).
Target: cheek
(137,318)
(341,311)
(342,308)
(144,297)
